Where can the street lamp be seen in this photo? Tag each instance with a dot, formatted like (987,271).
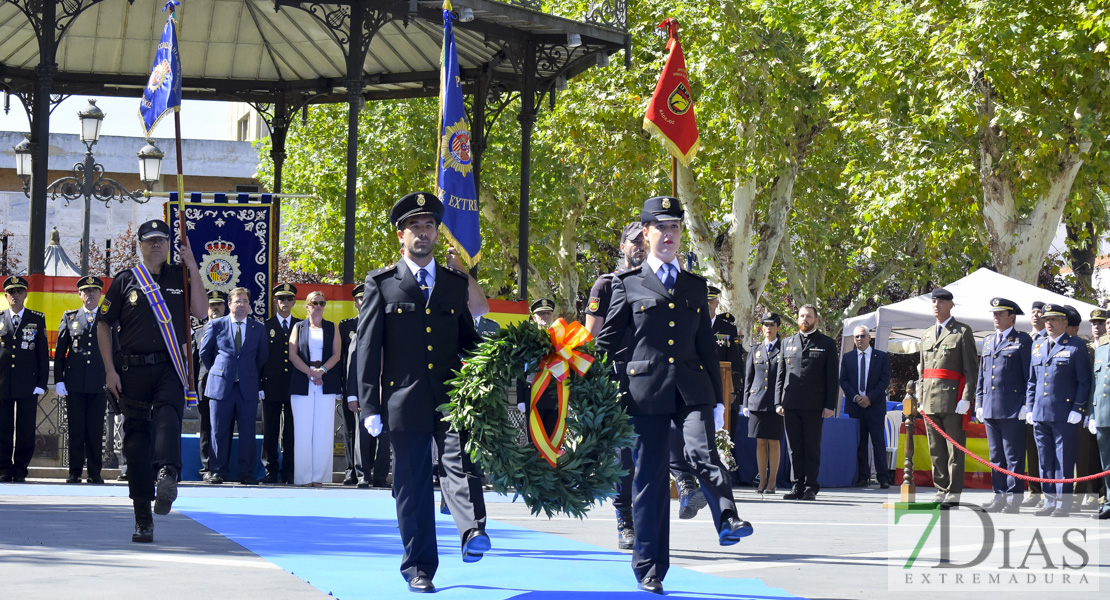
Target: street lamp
(88,180)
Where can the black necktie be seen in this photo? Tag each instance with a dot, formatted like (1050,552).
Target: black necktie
(938,332)
(862,373)
(285,326)
(422,279)
(238,337)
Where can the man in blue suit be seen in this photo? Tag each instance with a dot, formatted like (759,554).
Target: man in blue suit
(1057,396)
(1000,402)
(864,377)
(234,349)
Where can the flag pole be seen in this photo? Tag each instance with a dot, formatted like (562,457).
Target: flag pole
(674,177)
(181,241)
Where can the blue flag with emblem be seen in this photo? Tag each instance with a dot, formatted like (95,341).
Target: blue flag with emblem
(455,176)
(163,90)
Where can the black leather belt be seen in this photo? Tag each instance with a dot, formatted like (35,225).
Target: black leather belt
(316,363)
(138,360)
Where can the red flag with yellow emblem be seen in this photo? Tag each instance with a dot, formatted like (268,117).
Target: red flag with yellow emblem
(670,114)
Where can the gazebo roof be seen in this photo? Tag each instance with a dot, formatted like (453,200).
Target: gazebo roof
(256,49)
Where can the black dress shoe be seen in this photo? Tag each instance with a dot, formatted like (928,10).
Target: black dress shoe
(248,481)
(809,496)
(995,505)
(144,533)
(349,480)
(1031,501)
(271,479)
(1012,509)
(732,529)
(121,477)
(475,545)
(651,584)
(626,538)
(1104,512)
(1060,512)
(884,485)
(165,490)
(421,585)
(74,478)
(362,485)
(95,479)
(1043,512)
(5,478)
(793,495)
(20,479)
(213,479)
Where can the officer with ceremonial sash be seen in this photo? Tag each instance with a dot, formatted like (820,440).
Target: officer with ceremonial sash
(79,378)
(949,367)
(148,375)
(660,316)
(1000,402)
(1057,397)
(277,408)
(601,293)
(23,376)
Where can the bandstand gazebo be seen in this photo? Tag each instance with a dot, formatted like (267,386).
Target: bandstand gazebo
(282,55)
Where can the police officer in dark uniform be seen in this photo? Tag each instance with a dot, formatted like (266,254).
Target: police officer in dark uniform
(142,375)
(1032,461)
(414,325)
(805,394)
(999,400)
(350,426)
(370,454)
(277,411)
(79,378)
(23,377)
(543,312)
(632,255)
(217,307)
(660,315)
(758,399)
(730,347)
(1057,397)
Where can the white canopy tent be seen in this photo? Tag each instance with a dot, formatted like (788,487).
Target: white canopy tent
(898,327)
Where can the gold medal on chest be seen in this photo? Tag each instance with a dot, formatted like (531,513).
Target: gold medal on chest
(273,333)
(133,297)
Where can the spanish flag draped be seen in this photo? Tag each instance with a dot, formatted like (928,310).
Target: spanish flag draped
(670,114)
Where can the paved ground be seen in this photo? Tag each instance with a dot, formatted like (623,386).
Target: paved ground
(73,542)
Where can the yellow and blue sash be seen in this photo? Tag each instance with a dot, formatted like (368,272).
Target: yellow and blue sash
(165,325)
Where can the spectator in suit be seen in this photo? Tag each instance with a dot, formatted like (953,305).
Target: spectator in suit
(234,351)
(764,424)
(23,375)
(315,348)
(660,314)
(864,377)
(278,435)
(1057,397)
(1000,402)
(79,378)
(805,395)
(413,329)
(217,307)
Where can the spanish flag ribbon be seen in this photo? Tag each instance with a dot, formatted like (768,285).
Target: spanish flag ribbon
(566,338)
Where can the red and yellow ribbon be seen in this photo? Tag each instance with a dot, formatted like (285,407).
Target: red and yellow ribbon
(566,338)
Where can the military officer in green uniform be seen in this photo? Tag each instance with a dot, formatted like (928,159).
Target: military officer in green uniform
(949,368)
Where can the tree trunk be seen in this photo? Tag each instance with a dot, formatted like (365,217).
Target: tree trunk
(1082,241)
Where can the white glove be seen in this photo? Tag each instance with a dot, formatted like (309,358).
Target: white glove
(962,407)
(352,399)
(747,413)
(1092,426)
(979,413)
(1074,417)
(373,424)
(521,407)
(60,387)
(261,395)
(1023,412)
(38,391)
(719,416)
(1029,417)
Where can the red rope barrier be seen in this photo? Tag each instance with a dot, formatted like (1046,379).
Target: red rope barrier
(1000,469)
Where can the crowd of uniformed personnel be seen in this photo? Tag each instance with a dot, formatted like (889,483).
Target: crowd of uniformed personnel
(1043,397)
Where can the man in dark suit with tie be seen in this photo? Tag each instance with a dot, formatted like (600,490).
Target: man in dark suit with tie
(1000,402)
(277,411)
(1057,397)
(805,395)
(79,378)
(864,377)
(413,328)
(234,350)
(660,315)
(23,376)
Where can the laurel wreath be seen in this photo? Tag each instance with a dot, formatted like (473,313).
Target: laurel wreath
(724,449)
(596,425)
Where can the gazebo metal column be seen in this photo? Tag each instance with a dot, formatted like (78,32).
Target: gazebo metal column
(527,118)
(40,136)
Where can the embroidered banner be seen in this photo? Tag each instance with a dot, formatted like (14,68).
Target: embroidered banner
(232,243)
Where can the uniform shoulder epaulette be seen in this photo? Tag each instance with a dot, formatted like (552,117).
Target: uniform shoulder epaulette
(454,271)
(383,271)
(701,277)
(36,313)
(348,320)
(70,313)
(632,271)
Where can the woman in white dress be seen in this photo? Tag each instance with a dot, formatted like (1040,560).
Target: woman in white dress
(314,350)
